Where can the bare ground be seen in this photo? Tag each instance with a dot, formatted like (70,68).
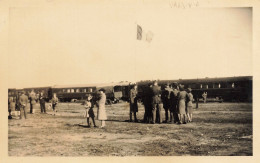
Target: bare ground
(218,129)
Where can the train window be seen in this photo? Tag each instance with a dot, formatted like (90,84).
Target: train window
(193,86)
(64,90)
(233,85)
(72,90)
(219,85)
(90,90)
(77,90)
(207,86)
(201,86)
(68,90)
(118,88)
(84,90)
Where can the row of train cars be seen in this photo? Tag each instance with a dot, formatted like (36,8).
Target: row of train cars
(228,89)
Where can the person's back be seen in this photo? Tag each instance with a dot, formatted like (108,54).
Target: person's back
(102,99)
(156,93)
(33,97)
(23,100)
(174,95)
(148,94)
(182,95)
(156,90)
(168,92)
(190,99)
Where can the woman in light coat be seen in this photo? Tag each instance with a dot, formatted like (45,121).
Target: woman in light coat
(189,105)
(182,97)
(101,113)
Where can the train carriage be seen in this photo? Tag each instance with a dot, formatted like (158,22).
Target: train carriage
(67,93)
(47,91)
(232,89)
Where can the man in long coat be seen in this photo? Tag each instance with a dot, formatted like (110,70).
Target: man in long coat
(166,100)
(147,101)
(23,100)
(156,102)
(42,102)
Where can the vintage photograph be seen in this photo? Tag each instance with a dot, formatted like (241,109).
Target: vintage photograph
(130,79)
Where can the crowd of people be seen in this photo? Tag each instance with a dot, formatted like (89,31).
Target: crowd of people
(174,99)
(17,105)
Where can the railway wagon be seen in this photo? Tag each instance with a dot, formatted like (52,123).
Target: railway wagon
(68,93)
(116,91)
(231,89)
(12,92)
(47,91)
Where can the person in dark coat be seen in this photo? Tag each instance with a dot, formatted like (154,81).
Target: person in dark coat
(147,101)
(17,104)
(156,102)
(166,101)
(23,100)
(42,102)
(89,112)
(174,104)
(133,103)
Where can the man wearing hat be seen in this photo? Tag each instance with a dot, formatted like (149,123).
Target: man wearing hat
(133,103)
(42,102)
(23,100)
(166,100)
(156,101)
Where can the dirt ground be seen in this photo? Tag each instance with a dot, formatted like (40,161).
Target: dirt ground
(218,129)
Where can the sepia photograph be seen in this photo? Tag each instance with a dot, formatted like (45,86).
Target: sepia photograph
(121,78)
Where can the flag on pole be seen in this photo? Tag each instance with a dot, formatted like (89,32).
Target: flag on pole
(139,32)
(149,36)
(142,35)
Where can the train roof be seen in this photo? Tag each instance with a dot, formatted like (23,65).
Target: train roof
(38,87)
(100,85)
(203,80)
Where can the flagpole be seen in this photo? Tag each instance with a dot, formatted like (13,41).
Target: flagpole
(135,52)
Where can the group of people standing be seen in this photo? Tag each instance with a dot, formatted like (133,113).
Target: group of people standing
(20,103)
(174,99)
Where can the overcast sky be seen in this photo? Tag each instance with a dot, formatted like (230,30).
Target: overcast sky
(97,44)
